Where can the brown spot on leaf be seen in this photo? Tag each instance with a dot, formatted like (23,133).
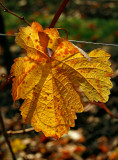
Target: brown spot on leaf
(36,40)
(51,41)
(37,46)
(109,74)
(28,37)
(49,107)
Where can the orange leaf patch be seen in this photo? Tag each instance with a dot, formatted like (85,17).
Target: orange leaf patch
(45,79)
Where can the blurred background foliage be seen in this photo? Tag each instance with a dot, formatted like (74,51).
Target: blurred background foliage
(88,20)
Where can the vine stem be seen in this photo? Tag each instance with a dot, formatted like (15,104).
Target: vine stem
(6,136)
(58,13)
(7,10)
(103,106)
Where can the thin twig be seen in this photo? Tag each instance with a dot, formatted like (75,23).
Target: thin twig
(6,136)
(6,10)
(1,34)
(64,31)
(83,42)
(20,131)
(103,106)
(95,43)
(58,13)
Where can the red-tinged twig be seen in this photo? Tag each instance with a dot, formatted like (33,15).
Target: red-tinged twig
(6,136)
(6,10)
(20,131)
(103,106)
(58,13)
(64,31)
(9,78)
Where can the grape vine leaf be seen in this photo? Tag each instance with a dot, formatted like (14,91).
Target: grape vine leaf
(45,79)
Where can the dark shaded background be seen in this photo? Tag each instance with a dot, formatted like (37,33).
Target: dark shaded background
(95,136)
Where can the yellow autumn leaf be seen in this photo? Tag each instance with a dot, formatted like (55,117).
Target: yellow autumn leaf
(45,79)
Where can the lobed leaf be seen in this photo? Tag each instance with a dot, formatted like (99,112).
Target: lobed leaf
(46,79)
